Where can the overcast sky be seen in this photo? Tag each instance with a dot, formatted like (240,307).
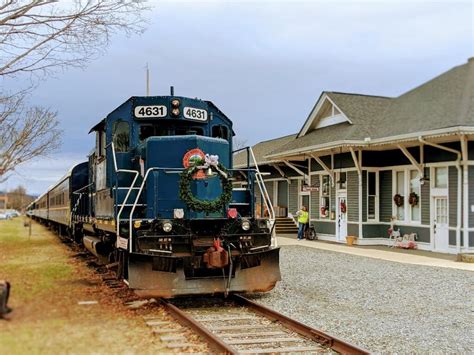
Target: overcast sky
(263,63)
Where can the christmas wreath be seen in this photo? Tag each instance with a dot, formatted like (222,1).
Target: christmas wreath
(413,199)
(196,204)
(398,199)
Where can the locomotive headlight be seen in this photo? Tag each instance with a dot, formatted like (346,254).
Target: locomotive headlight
(137,224)
(167,227)
(175,112)
(175,103)
(245,225)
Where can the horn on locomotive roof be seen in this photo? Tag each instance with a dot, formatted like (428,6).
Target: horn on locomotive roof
(171,90)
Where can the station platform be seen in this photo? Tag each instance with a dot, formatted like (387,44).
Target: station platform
(414,257)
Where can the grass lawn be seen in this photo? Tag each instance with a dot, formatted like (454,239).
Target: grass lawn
(47,284)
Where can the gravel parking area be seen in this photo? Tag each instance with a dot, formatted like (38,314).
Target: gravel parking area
(379,305)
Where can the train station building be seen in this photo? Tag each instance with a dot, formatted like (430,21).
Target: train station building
(361,163)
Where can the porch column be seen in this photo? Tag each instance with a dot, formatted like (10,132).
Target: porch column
(465,183)
(358,164)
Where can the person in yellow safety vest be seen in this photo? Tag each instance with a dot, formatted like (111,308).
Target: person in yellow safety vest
(303,219)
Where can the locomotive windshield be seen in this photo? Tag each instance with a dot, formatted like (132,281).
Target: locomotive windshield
(167,129)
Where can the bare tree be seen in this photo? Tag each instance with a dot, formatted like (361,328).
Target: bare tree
(239,143)
(43,36)
(18,199)
(25,133)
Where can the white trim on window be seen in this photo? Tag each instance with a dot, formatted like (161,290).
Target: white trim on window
(377,197)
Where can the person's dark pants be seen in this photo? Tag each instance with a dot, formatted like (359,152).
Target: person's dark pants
(301,230)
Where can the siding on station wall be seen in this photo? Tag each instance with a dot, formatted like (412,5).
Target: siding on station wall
(471,198)
(353,229)
(425,199)
(375,230)
(422,232)
(453,195)
(385,200)
(452,238)
(364,196)
(314,197)
(352,196)
(293,196)
(325,227)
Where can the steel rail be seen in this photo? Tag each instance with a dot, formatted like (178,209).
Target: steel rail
(323,338)
(215,344)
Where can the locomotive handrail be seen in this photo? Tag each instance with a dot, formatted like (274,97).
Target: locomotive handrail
(78,202)
(262,187)
(117,170)
(82,188)
(138,197)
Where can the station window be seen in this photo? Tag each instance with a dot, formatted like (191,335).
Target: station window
(415,187)
(400,189)
(441,178)
(220,132)
(342,180)
(324,211)
(121,136)
(372,195)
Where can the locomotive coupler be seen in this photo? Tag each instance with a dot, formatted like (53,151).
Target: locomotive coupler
(216,256)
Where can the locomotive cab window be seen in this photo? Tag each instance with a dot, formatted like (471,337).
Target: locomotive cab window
(100,144)
(220,132)
(121,136)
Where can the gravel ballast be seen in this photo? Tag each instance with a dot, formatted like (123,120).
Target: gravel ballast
(379,305)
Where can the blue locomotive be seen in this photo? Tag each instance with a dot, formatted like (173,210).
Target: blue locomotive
(158,198)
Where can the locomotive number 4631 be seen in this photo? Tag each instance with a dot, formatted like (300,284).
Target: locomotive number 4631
(195,114)
(150,111)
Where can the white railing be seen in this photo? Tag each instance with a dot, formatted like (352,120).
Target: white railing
(139,193)
(122,206)
(266,196)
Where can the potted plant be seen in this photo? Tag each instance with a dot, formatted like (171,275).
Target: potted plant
(350,239)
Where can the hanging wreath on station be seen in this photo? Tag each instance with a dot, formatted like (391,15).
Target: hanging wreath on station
(399,200)
(323,211)
(413,199)
(187,176)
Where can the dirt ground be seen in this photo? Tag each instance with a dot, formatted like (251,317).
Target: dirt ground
(48,283)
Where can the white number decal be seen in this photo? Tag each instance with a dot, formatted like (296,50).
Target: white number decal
(150,111)
(195,114)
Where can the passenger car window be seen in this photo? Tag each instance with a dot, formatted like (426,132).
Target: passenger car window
(121,136)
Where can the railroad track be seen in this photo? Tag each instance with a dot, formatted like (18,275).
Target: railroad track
(235,325)
(239,326)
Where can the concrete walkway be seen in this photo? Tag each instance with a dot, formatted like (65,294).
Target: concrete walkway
(377,254)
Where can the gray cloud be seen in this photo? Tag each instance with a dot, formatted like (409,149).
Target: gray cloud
(263,63)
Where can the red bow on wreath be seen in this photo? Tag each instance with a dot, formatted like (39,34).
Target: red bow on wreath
(343,207)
